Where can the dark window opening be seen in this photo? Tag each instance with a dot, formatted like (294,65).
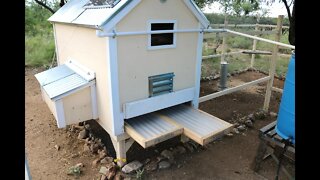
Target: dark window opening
(164,38)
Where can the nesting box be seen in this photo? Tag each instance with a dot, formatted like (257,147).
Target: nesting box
(144,60)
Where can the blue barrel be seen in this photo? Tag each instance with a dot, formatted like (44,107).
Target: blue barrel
(285,126)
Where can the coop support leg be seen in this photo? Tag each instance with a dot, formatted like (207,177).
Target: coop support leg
(121,147)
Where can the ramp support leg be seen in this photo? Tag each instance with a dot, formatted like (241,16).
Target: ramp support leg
(121,147)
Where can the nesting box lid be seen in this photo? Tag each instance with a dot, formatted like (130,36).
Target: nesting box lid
(64,79)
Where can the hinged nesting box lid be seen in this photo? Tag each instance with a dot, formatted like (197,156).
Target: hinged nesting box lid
(64,79)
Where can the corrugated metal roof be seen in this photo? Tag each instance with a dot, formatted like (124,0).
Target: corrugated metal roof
(64,85)
(60,80)
(96,13)
(54,74)
(76,11)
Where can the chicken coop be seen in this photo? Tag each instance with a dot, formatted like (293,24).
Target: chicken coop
(134,66)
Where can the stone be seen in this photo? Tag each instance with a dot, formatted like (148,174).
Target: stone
(103,170)
(251,117)
(94,148)
(241,127)
(87,126)
(91,136)
(103,177)
(95,162)
(111,171)
(74,155)
(88,141)
(72,128)
(102,153)
(74,170)
(131,167)
(80,165)
(261,114)
(189,147)
(106,160)
(164,165)
(167,154)
(229,134)
(83,134)
(57,147)
(179,150)
(146,161)
(76,127)
(160,158)
(152,166)
(179,166)
(249,123)
(235,130)
(86,147)
(118,177)
(273,114)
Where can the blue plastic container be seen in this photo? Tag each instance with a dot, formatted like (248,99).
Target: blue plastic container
(285,126)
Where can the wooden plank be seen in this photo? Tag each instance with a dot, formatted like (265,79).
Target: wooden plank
(277,89)
(253,52)
(247,25)
(224,41)
(219,55)
(254,47)
(273,65)
(233,89)
(268,127)
(271,133)
(215,135)
(163,137)
(261,39)
(134,134)
(155,139)
(210,35)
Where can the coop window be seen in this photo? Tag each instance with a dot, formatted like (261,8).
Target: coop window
(162,40)
(160,84)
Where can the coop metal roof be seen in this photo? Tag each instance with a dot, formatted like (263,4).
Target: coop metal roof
(96,13)
(88,12)
(60,80)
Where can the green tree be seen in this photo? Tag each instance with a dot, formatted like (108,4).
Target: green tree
(244,7)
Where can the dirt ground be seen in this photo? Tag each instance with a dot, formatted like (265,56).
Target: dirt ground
(226,158)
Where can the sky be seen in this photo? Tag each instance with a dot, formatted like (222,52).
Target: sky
(274,10)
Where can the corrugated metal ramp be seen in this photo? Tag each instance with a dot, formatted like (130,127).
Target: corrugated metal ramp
(151,129)
(159,126)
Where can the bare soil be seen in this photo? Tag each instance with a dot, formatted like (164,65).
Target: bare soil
(225,158)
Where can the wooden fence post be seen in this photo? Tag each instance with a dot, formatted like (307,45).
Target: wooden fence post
(254,46)
(273,64)
(224,40)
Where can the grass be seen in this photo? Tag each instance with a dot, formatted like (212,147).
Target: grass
(39,50)
(242,61)
(281,65)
